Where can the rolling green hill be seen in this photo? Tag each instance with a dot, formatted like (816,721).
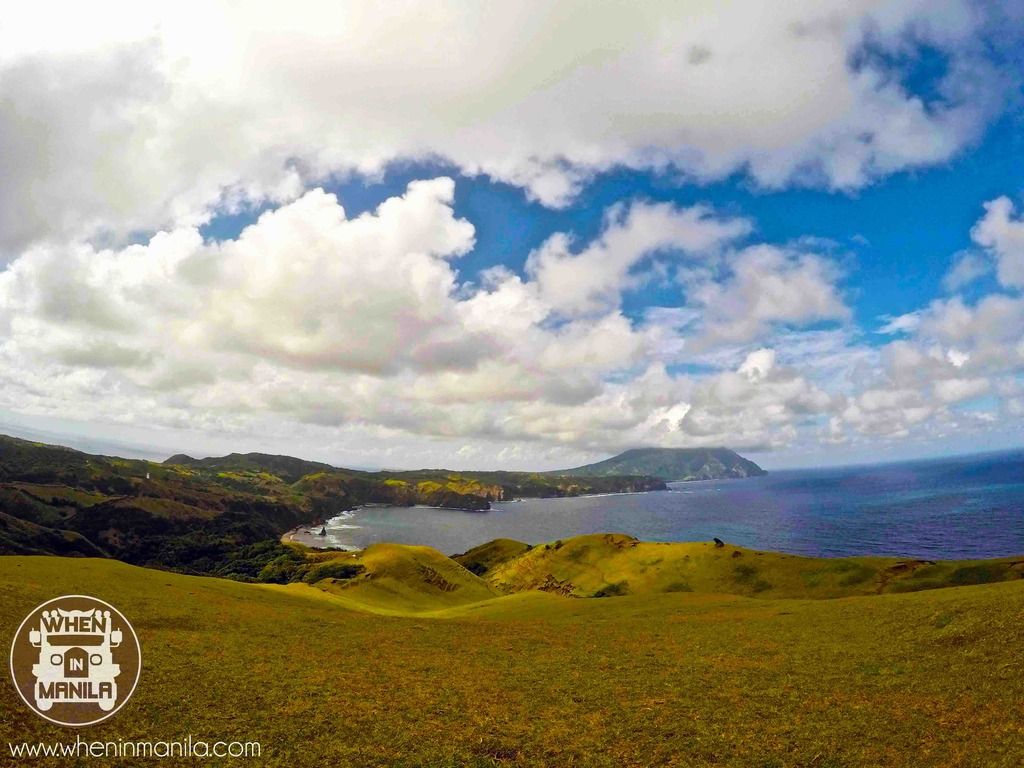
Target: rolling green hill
(672,464)
(605,565)
(616,565)
(929,678)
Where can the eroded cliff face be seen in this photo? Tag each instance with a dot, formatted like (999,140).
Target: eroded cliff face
(330,493)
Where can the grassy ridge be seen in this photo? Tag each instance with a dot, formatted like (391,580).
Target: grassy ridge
(605,565)
(930,678)
(393,577)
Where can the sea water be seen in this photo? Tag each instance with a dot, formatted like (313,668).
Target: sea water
(965,507)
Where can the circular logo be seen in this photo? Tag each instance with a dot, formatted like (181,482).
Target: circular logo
(75,660)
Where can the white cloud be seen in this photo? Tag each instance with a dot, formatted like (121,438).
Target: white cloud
(1003,233)
(765,286)
(313,320)
(967,268)
(593,279)
(899,324)
(956,357)
(154,118)
(760,405)
(758,364)
(955,390)
(314,326)
(989,331)
(304,287)
(953,353)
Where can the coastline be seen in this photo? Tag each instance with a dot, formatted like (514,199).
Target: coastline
(304,535)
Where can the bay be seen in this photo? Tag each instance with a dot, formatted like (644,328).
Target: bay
(954,508)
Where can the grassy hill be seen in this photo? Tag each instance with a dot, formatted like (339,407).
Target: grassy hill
(928,678)
(55,500)
(395,578)
(607,565)
(671,464)
(412,579)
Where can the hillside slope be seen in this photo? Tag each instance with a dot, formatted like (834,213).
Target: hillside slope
(672,464)
(924,679)
(389,578)
(222,515)
(55,500)
(420,579)
(609,565)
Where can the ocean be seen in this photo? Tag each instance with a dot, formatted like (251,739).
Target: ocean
(954,508)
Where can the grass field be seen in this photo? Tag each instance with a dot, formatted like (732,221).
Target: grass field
(690,678)
(610,564)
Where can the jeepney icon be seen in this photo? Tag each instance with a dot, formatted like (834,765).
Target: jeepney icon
(75,661)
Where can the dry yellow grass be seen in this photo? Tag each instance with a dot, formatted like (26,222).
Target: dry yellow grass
(930,678)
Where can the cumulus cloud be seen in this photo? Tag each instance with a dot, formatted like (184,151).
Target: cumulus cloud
(363,326)
(953,353)
(955,390)
(361,331)
(593,279)
(764,286)
(304,286)
(760,404)
(989,331)
(157,121)
(1002,231)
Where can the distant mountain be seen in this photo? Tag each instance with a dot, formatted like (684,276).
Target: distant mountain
(672,464)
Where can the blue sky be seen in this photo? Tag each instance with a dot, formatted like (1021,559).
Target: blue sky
(900,234)
(566,233)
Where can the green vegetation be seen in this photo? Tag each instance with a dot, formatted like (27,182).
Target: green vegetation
(331,490)
(320,677)
(612,564)
(692,655)
(484,558)
(671,464)
(221,516)
(402,579)
(393,577)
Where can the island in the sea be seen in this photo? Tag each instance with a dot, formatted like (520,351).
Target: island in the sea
(672,465)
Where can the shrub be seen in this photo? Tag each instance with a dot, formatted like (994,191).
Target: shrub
(975,574)
(280,570)
(858,574)
(747,574)
(617,589)
(744,573)
(333,569)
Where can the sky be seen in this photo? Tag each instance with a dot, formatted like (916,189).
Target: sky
(523,235)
